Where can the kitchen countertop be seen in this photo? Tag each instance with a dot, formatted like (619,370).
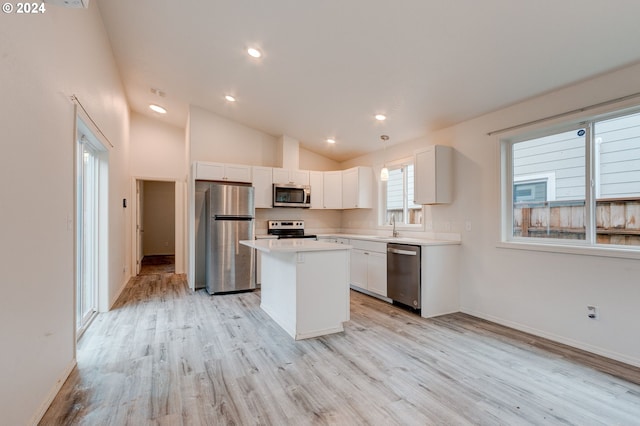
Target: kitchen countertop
(389,239)
(292,245)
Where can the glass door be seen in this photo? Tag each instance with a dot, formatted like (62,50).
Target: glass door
(87,234)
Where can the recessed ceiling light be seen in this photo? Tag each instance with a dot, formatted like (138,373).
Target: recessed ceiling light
(230,98)
(158,109)
(253,52)
(381,117)
(330,140)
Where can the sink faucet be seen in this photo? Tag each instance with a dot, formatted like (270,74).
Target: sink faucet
(393,222)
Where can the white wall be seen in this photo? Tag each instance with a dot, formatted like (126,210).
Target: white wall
(159,218)
(45,59)
(311,161)
(157,149)
(539,292)
(159,152)
(218,139)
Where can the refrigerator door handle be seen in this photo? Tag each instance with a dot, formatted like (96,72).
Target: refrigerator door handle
(221,217)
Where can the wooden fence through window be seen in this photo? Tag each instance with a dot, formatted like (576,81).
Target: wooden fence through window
(617,220)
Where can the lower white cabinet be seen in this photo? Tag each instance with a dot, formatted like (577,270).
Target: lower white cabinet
(359,261)
(439,290)
(369,266)
(377,273)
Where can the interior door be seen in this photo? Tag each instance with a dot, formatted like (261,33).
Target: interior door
(139,224)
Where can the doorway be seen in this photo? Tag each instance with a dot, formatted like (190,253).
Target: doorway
(91,191)
(155,227)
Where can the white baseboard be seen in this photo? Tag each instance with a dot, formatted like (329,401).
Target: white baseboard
(114,299)
(556,338)
(52,393)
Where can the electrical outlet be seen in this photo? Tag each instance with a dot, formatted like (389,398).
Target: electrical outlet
(592,312)
(467,225)
(447,226)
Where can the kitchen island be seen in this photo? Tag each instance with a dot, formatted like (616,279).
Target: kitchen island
(305,285)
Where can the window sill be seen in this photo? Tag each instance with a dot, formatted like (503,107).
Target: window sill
(599,251)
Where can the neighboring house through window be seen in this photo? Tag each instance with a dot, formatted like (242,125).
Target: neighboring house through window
(579,182)
(397,197)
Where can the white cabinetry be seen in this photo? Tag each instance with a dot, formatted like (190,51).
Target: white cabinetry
(377,272)
(357,188)
(294,177)
(359,261)
(432,175)
(439,284)
(369,266)
(332,190)
(316,181)
(222,171)
(262,182)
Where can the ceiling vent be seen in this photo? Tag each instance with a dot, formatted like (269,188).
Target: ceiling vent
(75,4)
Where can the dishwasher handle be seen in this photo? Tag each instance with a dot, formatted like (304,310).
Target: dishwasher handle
(404,252)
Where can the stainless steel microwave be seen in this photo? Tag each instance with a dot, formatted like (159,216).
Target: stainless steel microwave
(288,195)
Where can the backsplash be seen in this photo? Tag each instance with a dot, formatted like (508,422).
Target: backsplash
(315,221)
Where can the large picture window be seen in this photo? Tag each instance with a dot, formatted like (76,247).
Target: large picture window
(577,184)
(398,197)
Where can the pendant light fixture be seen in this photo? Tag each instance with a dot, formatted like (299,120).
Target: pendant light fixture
(384,173)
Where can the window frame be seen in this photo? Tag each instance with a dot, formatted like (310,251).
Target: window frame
(589,245)
(382,198)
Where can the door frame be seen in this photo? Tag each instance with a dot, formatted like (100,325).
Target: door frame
(179,203)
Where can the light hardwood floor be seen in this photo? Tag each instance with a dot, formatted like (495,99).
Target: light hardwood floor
(168,356)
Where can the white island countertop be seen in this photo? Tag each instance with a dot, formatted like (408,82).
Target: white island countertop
(293,245)
(305,285)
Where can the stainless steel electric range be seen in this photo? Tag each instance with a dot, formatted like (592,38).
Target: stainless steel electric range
(288,229)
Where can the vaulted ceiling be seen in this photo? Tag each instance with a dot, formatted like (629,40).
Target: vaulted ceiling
(329,66)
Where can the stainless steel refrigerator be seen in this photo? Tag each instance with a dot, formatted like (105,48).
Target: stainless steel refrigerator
(230,215)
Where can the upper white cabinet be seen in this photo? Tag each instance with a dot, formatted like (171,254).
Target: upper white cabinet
(316,181)
(432,175)
(357,188)
(222,171)
(332,190)
(294,177)
(262,182)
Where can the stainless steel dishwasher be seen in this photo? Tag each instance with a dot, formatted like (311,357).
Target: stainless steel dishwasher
(403,274)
